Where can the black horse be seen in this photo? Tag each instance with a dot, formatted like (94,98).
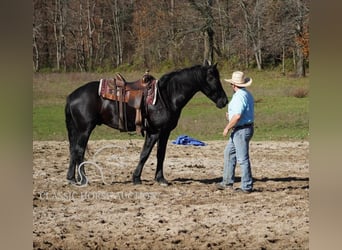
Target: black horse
(85,109)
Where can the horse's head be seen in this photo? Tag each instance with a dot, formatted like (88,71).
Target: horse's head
(212,87)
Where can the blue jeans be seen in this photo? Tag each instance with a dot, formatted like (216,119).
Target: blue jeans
(237,151)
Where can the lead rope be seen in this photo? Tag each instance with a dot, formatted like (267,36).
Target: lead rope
(94,162)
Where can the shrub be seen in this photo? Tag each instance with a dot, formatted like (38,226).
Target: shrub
(300,92)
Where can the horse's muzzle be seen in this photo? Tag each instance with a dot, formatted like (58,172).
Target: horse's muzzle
(222,102)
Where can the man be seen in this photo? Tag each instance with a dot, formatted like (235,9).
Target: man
(241,119)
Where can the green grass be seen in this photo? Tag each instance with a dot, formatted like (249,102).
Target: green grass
(279,115)
(281,118)
(48,123)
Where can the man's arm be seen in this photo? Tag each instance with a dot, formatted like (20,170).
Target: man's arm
(235,119)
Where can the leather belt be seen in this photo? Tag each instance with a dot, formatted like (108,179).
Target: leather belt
(247,125)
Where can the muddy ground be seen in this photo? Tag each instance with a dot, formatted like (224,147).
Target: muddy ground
(112,213)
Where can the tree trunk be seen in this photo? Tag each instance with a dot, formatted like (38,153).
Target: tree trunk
(172,32)
(258,40)
(36,51)
(253,32)
(82,58)
(300,62)
(283,60)
(209,33)
(299,38)
(102,44)
(209,45)
(294,60)
(257,55)
(246,48)
(117,44)
(91,29)
(56,33)
(225,26)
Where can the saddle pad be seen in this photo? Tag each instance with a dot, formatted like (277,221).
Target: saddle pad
(108,90)
(152,93)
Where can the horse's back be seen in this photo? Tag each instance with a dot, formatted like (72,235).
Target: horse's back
(86,108)
(90,89)
(83,104)
(86,94)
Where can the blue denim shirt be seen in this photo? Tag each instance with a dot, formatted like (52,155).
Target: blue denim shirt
(242,102)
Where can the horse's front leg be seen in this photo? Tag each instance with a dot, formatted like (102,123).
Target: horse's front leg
(150,141)
(162,144)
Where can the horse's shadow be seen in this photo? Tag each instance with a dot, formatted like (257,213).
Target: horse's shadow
(238,179)
(191,180)
(188,181)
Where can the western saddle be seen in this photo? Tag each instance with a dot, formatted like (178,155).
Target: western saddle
(131,94)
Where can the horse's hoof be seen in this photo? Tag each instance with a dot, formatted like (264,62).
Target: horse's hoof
(75,182)
(163,182)
(82,183)
(72,181)
(136,181)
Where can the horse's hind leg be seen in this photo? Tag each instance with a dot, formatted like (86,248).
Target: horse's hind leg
(80,149)
(72,166)
(72,136)
(78,143)
(77,151)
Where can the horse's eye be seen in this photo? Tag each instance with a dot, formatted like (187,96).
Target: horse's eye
(210,78)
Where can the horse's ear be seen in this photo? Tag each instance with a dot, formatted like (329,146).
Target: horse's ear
(206,63)
(215,65)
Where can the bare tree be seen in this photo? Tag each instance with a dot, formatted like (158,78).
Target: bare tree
(301,23)
(36,51)
(253,18)
(205,10)
(81,47)
(224,27)
(59,24)
(116,32)
(290,33)
(91,34)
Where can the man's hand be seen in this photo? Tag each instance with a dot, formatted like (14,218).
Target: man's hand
(225,131)
(231,124)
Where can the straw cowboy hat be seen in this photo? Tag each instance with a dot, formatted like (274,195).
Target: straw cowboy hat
(239,79)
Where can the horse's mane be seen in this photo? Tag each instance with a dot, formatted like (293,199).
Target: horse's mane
(168,76)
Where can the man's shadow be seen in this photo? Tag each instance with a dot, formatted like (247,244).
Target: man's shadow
(256,180)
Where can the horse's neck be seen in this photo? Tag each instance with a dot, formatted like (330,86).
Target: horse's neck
(181,92)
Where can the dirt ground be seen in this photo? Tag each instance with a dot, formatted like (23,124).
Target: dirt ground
(112,213)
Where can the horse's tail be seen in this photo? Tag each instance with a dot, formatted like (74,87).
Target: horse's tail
(71,126)
(70,123)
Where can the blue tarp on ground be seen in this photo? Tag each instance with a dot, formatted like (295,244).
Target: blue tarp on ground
(187,140)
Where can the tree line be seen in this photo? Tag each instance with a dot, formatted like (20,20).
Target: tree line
(90,35)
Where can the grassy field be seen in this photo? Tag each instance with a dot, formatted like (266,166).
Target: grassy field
(281,108)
